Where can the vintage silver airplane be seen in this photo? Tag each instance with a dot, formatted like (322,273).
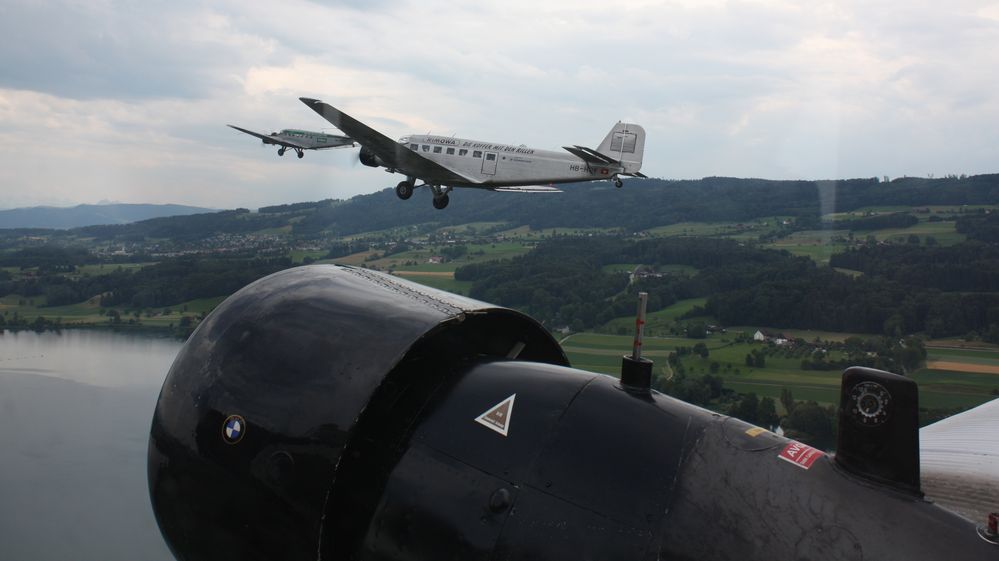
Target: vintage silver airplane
(300,141)
(443,163)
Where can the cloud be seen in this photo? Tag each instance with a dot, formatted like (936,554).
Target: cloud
(122,50)
(127,101)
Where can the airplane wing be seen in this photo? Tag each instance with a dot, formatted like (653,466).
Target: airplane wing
(959,459)
(528,189)
(394,155)
(271,139)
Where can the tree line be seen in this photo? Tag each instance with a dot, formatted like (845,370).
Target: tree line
(162,284)
(983,227)
(561,282)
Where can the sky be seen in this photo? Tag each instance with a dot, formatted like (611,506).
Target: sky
(127,101)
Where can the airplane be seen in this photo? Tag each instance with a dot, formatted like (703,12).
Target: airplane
(443,163)
(300,141)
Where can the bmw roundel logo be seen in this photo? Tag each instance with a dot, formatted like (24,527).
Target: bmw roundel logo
(233,429)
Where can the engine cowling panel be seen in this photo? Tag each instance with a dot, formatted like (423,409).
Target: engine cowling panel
(369,159)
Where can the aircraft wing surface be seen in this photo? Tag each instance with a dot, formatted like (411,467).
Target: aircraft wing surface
(271,139)
(959,459)
(394,155)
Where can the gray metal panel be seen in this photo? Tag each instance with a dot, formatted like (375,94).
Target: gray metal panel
(959,461)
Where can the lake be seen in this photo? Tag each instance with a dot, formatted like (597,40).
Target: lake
(75,411)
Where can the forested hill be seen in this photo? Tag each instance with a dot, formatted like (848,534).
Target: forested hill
(640,204)
(652,202)
(86,215)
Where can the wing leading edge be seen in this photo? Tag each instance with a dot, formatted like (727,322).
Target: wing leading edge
(395,156)
(271,139)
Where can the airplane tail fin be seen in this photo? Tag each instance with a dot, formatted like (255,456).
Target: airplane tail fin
(625,143)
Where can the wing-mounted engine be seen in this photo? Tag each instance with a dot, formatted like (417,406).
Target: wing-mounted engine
(333,413)
(369,159)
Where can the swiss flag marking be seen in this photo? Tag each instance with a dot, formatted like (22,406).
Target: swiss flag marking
(801,455)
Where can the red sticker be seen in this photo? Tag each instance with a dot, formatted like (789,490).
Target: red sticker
(801,455)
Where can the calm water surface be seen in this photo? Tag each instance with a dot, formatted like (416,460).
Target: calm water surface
(75,410)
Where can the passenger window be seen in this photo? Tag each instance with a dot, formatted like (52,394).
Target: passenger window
(476,154)
(414,146)
(437,149)
(450,150)
(490,157)
(462,151)
(426,148)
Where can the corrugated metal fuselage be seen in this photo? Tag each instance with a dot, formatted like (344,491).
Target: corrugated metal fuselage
(502,165)
(308,139)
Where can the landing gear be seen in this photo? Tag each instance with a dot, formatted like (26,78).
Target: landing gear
(441,202)
(618,183)
(301,154)
(404,190)
(281,151)
(440,196)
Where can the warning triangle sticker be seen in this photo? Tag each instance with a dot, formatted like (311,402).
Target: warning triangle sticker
(498,416)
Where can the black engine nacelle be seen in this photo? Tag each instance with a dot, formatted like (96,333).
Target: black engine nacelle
(369,158)
(329,412)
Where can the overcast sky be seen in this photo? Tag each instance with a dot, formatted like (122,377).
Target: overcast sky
(128,101)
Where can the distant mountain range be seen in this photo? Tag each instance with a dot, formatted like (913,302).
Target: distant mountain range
(89,215)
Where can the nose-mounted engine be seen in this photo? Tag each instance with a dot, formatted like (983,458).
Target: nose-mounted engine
(330,412)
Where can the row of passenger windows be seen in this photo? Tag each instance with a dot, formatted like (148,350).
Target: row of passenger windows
(461,151)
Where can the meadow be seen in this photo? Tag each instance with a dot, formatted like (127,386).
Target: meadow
(944,389)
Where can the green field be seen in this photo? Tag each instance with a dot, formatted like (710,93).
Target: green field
(701,229)
(658,322)
(529,234)
(90,311)
(975,356)
(938,388)
(298,256)
(419,259)
(201,305)
(820,245)
(944,232)
(473,228)
(815,244)
(441,282)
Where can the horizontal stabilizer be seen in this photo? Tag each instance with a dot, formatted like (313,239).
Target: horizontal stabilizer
(528,189)
(589,155)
